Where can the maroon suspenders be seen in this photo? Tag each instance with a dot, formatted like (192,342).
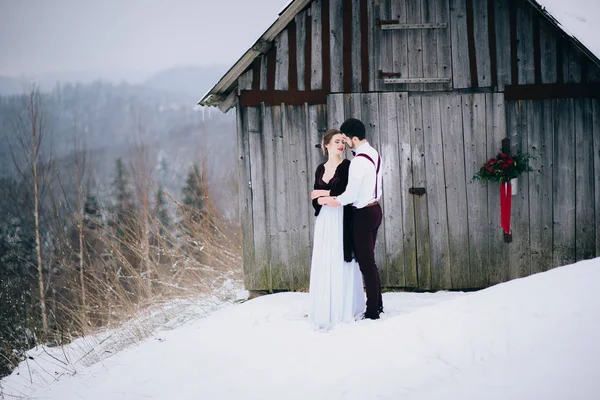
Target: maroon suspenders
(376,169)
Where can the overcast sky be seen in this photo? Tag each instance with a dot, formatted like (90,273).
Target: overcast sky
(48,36)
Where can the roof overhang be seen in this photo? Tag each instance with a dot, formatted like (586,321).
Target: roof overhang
(220,94)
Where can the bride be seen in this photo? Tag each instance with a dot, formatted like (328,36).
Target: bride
(336,288)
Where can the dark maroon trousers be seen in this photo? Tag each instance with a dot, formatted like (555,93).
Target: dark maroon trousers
(366,222)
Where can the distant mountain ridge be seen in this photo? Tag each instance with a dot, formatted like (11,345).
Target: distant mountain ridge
(189,80)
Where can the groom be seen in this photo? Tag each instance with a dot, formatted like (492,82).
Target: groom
(363,192)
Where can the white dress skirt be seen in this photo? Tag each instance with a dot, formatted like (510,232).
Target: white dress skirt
(336,287)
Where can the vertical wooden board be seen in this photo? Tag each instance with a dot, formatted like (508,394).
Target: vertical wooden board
(301,45)
(548,51)
(246,217)
(415,44)
(456,190)
(526,65)
(282,66)
(571,62)
(444,45)
(298,210)
(316,80)
(283,278)
(375,82)
(352,109)
(540,141)
(336,48)
(593,75)
(460,52)
(496,131)
(259,210)
(596,138)
(429,44)
(263,72)
(335,110)
(355,104)
(503,60)
(474,125)
(482,43)
(245,81)
(275,185)
(408,119)
(519,256)
(410,123)
(387,51)
(585,234)
(370,114)
(564,183)
(392,215)
(411,129)
(441,277)
(356,48)
(399,44)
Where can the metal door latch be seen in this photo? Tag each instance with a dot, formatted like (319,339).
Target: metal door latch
(419,191)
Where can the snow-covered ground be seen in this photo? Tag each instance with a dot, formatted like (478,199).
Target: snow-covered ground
(532,338)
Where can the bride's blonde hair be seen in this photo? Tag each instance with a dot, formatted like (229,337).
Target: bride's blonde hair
(327,136)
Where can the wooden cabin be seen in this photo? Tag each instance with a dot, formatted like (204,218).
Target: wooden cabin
(438,84)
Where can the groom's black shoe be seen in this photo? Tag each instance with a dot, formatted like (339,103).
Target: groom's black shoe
(370,315)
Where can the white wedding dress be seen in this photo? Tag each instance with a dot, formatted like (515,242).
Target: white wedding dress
(336,287)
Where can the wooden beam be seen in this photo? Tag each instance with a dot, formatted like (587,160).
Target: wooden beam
(552,91)
(326,48)
(347,45)
(307,52)
(537,48)
(471,44)
(394,25)
(256,73)
(514,59)
(277,97)
(364,44)
(493,46)
(271,67)
(292,60)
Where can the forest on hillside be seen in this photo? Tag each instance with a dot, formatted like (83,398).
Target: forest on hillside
(112,197)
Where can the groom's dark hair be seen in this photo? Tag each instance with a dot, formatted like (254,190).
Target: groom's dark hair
(353,127)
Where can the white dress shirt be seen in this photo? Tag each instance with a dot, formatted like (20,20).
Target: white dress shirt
(360,191)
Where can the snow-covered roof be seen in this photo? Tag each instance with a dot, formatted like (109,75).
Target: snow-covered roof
(579,19)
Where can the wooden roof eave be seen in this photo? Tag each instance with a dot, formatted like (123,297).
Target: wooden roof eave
(228,83)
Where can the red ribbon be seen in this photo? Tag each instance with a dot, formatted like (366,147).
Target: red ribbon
(505,205)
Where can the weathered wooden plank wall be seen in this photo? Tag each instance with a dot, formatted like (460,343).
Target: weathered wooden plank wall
(449,237)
